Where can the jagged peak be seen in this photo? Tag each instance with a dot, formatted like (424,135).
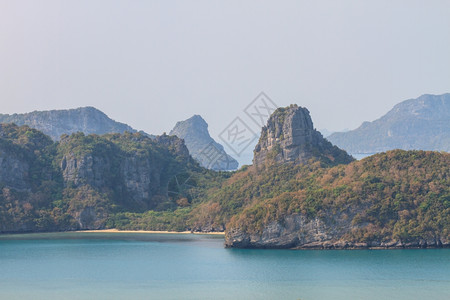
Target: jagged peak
(195,120)
(195,133)
(289,136)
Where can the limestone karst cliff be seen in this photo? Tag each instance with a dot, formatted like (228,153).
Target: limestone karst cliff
(289,136)
(78,182)
(202,146)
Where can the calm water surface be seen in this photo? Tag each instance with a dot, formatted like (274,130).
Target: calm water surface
(176,266)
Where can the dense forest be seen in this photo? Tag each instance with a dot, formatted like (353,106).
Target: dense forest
(398,195)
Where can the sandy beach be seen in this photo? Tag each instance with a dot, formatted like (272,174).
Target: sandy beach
(148,231)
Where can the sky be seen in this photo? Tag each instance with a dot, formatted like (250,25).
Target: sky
(152,63)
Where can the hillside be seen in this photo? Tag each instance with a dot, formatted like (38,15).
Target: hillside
(81,181)
(55,123)
(202,146)
(394,199)
(415,124)
(302,192)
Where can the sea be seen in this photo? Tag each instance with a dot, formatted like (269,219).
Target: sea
(76,265)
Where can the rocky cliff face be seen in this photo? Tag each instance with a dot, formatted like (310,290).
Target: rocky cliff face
(293,231)
(13,170)
(131,167)
(58,122)
(140,183)
(300,232)
(86,169)
(415,124)
(289,136)
(175,145)
(202,146)
(78,182)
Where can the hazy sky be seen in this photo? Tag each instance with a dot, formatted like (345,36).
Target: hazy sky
(152,63)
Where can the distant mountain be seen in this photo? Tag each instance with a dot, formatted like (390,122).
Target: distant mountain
(58,122)
(415,124)
(202,146)
(325,132)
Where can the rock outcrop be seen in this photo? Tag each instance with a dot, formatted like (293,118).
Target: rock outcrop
(300,232)
(85,169)
(415,124)
(289,136)
(175,145)
(202,146)
(13,170)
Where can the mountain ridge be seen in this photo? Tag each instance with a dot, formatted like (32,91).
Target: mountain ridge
(422,123)
(55,123)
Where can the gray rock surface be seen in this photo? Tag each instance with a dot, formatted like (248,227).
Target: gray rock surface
(139,178)
(88,169)
(202,146)
(85,177)
(415,124)
(299,232)
(13,170)
(289,136)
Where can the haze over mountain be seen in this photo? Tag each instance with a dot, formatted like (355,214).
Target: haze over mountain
(202,146)
(90,120)
(55,123)
(420,124)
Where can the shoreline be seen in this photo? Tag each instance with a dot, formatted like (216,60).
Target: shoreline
(113,230)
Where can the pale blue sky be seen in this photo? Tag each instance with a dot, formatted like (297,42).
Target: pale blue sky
(152,63)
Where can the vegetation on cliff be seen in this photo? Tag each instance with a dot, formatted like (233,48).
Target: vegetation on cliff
(92,181)
(398,195)
(129,181)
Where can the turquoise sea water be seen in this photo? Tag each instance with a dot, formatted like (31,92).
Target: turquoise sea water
(177,266)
